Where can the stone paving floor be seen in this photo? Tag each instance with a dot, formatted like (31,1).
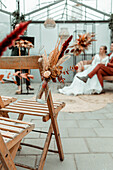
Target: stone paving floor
(87,137)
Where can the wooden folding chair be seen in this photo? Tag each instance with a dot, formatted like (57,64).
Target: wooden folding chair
(11,134)
(47,111)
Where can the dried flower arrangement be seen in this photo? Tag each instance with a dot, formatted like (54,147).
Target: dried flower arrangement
(23,43)
(82,43)
(51,68)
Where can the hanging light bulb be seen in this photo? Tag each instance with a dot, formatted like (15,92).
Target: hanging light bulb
(64,34)
(49,23)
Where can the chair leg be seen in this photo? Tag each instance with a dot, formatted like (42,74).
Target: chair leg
(5,156)
(47,143)
(20,117)
(13,150)
(57,137)
(46,147)
(55,125)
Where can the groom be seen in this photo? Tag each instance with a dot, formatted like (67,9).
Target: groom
(101,70)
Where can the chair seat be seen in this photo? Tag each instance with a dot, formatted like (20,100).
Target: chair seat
(31,107)
(13,131)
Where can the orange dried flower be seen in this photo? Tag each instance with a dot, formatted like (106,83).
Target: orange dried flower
(82,43)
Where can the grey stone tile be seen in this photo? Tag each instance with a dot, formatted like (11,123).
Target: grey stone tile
(43,135)
(76,116)
(112,155)
(63,133)
(38,142)
(109,115)
(103,110)
(40,124)
(107,123)
(100,144)
(88,123)
(67,123)
(53,163)
(109,106)
(104,132)
(13,115)
(26,160)
(74,145)
(61,116)
(94,162)
(81,132)
(33,135)
(93,115)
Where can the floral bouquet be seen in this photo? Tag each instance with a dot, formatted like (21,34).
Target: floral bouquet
(82,43)
(51,68)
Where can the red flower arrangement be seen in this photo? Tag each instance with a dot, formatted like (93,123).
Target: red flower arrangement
(51,68)
(82,43)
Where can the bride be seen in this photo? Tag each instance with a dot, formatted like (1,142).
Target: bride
(92,86)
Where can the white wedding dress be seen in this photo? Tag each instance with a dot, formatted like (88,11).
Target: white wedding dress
(91,86)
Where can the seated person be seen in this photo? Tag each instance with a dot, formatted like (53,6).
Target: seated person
(101,69)
(83,65)
(92,86)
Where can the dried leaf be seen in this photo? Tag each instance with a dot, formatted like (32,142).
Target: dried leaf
(63,59)
(67,72)
(8,75)
(8,41)
(1,77)
(31,76)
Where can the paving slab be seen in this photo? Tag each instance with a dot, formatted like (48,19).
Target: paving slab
(38,142)
(92,115)
(53,163)
(26,160)
(100,145)
(74,145)
(88,123)
(81,132)
(104,132)
(76,116)
(94,162)
(67,123)
(39,123)
(106,123)
(109,115)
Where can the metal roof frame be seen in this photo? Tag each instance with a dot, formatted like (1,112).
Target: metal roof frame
(94,9)
(85,11)
(6,12)
(73,22)
(66,9)
(65,12)
(47,6)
